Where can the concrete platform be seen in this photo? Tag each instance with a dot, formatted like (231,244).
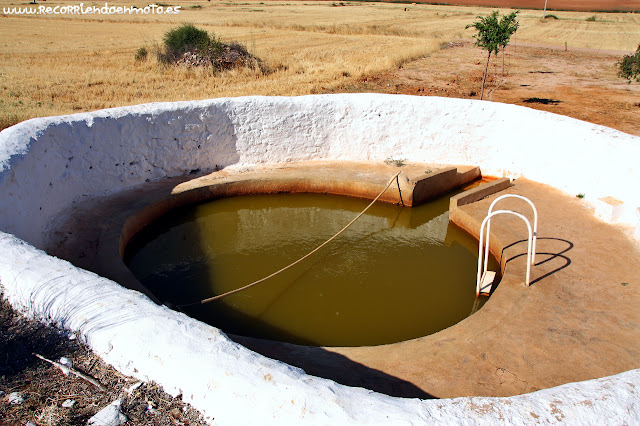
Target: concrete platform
(579,319)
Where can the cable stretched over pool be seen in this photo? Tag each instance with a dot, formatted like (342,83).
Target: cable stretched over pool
(220,296)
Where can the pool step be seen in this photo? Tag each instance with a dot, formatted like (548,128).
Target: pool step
(434,183)
(487,282)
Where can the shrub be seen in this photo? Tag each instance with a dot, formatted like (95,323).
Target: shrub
(190,47)
(629,66)
(188,38)
(141,54)
(592,18)
(395,162)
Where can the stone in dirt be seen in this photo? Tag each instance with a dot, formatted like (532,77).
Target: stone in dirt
(16,398)
(69,403)
(111,415)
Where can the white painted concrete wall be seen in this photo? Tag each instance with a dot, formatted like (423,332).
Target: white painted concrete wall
(48,163)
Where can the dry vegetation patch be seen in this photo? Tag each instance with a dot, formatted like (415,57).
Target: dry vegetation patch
(44,388)
(584,5)
(191,47)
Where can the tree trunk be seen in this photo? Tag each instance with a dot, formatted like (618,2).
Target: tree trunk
(503,49)
(486,68)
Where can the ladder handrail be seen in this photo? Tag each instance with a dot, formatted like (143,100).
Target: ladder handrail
(487,220)
(535,224)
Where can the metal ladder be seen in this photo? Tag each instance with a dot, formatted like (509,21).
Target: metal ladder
(485,278)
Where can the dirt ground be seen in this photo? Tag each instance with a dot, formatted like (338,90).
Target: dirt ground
(44,388)
(578,83)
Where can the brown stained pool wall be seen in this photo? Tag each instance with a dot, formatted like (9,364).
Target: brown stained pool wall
(359,180)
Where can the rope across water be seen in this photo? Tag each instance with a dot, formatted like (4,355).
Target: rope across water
(220,296)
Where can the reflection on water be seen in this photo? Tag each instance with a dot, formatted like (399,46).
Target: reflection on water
(396,274)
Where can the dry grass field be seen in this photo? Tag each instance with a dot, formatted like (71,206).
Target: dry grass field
(593,5)
(58,64)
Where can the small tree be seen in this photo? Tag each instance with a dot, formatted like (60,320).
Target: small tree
(508,26)
(492,34)
(630,66)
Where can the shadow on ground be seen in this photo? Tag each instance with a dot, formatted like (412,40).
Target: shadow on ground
(321,362)
(20,338)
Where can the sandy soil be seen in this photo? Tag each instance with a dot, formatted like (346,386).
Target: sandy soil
(579,83)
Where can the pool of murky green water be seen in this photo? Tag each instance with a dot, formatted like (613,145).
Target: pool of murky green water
(398,273)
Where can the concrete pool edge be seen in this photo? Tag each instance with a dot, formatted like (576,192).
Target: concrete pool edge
(50,288)
(130,332)
(347,178)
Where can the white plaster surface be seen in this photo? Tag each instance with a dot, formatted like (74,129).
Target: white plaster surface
(48,163)
(609,209)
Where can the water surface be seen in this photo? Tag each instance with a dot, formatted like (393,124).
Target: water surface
(396,274)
